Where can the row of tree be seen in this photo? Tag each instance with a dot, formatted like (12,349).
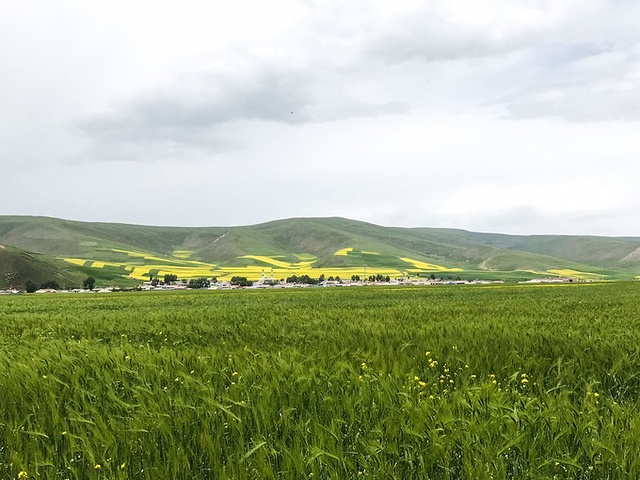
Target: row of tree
(30,286)
(372,278)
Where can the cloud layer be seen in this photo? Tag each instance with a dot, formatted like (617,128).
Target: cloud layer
(517,117)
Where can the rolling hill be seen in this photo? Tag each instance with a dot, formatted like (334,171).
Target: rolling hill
(117,253)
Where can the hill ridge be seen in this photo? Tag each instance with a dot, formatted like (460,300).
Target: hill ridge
(140,251)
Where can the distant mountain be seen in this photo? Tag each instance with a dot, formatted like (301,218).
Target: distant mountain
(334,246)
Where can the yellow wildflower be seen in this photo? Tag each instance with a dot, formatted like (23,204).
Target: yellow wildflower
(97,467)
(22,474)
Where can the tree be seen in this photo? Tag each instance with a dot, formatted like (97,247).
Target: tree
(88,283)
(307,279)
(169,278)
(241,281)
(199,283)
(30,286)
(52,284)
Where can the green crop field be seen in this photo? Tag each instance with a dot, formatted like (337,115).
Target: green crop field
(500,382)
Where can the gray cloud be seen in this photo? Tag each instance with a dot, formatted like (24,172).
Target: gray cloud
(183,112)
(193,113)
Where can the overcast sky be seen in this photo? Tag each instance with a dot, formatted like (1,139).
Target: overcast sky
(515,116)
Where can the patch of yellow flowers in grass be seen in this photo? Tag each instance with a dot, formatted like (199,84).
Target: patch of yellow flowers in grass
(446,379)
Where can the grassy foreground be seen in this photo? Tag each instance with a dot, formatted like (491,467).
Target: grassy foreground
(442,382)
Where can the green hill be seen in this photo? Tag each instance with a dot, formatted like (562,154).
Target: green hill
(17,266)
(333,246)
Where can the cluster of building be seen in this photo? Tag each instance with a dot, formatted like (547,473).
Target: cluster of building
(265,282)
(73,290)
(268,283)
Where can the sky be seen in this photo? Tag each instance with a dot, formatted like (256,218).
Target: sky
(497,116)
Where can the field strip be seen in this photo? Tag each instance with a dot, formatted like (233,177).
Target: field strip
(429,266)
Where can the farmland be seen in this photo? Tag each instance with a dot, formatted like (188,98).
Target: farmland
(442,382)
(141,266)
(125,255)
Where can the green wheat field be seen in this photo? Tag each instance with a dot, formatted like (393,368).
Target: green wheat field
(500,382)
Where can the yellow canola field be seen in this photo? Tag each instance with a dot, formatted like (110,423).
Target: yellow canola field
(346,251)
(164,260)
(567,272)
(254,273)
(141,264)
(428,266)
(76,261)
(144,272)
(279,263)
(268,260)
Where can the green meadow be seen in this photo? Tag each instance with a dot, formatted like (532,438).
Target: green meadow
(486,382)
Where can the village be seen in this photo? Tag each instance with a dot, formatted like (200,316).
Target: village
(171,283)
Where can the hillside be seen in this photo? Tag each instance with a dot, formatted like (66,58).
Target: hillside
(333,246)
(17,266)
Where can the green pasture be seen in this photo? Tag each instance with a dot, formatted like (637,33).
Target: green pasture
(442,382)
